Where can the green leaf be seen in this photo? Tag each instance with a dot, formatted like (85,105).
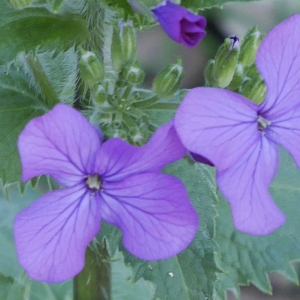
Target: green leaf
(33,29)
(52,77)
(18,104)
(122,288)
(203,4)
(27,92)
(247,259)
(192,273)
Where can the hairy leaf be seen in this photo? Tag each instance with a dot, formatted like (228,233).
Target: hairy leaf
(27,92)
(32,29)
(18,104)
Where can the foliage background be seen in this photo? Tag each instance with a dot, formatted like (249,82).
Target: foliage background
(155,50)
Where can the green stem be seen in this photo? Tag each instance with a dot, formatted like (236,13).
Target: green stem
(94,281)
(39,75)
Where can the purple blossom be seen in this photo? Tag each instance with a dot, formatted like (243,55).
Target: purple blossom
(241,138)
(180,25)
(114,181)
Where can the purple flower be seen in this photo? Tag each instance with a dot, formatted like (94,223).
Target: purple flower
(180,25)
(241,138)
(114,181)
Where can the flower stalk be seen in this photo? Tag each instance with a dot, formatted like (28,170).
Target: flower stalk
(94,281)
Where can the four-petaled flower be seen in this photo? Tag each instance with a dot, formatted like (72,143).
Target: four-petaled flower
(240,138)
(180,25)
(114,181)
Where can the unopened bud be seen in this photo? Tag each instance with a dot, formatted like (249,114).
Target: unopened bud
(129,42)
(123,47)
(91,68)
(100,95)
(18,4)
(208,73)
(237,78)
(168,81)
(133,74)
(254,88)
(56,5)
(226,61)
(249,47)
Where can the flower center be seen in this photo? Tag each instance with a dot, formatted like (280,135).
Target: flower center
(93,182)
(262,123)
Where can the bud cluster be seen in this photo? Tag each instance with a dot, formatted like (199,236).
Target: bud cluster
(119,106)
(234,67)
(117,101)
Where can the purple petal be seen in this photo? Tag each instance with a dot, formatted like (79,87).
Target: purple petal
(52,234)
(180,25)
(285,130)
(201,159)
(191,32)
(246,185)
(278,61)
(218,125)
(153,212)
(117,159)
(62,143)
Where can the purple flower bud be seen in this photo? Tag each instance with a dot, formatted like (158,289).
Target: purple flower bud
(180,25)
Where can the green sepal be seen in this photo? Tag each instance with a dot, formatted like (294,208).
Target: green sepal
(100,95)
(249,47)
(123,47)
(226,62)
(169,80)
(128,43)
(91,68)
(208,73)
(133,74)
(254,87)
(237,78)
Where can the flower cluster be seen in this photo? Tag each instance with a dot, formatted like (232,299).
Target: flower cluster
(113,180)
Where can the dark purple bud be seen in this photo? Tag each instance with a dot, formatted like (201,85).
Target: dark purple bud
(234,42)
(180,25)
